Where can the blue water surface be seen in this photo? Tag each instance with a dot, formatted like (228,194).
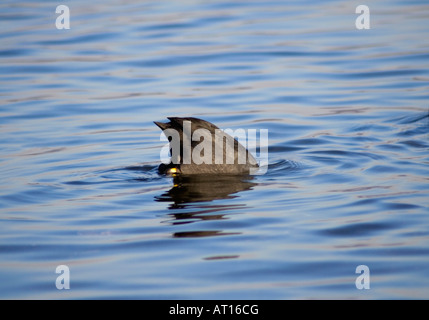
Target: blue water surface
(347,112)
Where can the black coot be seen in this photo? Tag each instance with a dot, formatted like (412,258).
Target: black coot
(234,159)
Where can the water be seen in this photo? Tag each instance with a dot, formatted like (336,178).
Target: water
(347,184)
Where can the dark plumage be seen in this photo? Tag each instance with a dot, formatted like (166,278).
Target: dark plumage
(230,163)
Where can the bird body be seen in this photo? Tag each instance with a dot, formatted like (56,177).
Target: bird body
(199,147)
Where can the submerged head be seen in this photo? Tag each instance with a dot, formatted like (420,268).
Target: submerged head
(199,147)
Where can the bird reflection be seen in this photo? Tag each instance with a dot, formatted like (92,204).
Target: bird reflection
(188,191)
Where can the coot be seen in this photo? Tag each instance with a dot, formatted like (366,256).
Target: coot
(199,147)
